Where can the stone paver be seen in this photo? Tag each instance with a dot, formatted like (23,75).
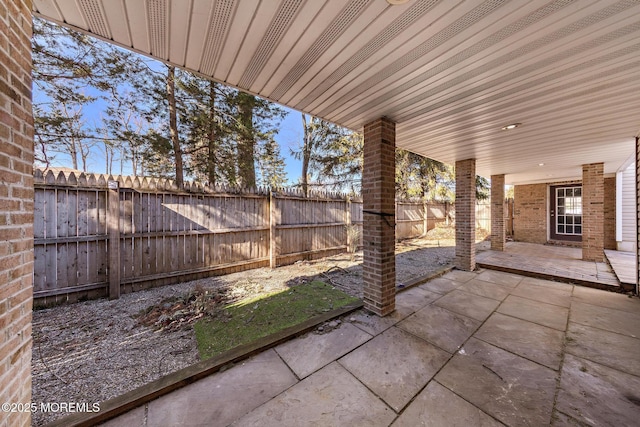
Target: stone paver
(436,406)
(561,297)
(607,348)
(485,289)
(416,298)
(606,318)
(562,420)
(133,418)
(330,397)
(222,398)
(547,283)
(440,285)
(395,365)
(526,339)
(516,391)
(441,327)
(373,324)
(505,370)
(468,304)
(460,276)
(597,395)
(541,313)
(623,264)
(500,278)
(606,299)
(312,351)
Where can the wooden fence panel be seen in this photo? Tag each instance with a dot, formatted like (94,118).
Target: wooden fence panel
(409,219)
(483,216)
(167,236)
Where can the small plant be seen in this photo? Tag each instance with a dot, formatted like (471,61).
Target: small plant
(353,239)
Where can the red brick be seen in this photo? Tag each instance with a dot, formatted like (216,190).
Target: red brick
(466,214)
(610,213)
(378,190)
(16,202)
(497,213)
(593,212)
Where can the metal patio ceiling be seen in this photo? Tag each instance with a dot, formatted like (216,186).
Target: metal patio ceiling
(450,73)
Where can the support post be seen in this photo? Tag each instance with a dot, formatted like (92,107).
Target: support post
(16,210)
(113,227)
(348,224)
(593,212)
(466,214)
(637,215)
(274,219)
(378,191)
(425,218)
(497,213)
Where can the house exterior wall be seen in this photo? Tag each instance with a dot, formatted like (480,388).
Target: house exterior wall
(628,208)
(531,212)
(16,207)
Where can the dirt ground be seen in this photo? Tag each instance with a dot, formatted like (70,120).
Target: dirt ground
(96,350)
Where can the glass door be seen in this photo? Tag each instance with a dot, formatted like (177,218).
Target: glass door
(565,213)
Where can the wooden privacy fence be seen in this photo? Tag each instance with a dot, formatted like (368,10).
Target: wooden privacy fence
(98,235)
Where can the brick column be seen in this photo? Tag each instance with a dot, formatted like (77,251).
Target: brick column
(378,193)
(16,207)
(466,214)
(593,212)
(497,213)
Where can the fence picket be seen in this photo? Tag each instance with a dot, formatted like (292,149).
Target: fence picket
(165,235)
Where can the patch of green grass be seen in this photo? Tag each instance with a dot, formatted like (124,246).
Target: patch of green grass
(255,318)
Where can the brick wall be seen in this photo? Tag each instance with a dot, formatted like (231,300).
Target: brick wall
(530,213)
(378,234)
(593,212)
(466,214)
(610,213)
(16,206)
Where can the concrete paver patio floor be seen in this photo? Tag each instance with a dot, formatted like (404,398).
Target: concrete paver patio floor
(556,263)
(468,349)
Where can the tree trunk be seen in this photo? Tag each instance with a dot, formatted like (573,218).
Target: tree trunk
(212,135)
(306,155)
(246,141)
(173,125)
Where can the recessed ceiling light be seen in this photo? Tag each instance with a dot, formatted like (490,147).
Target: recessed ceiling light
(540,164)
(396,2)
(511,126)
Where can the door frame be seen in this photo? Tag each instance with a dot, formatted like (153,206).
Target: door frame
(552,215)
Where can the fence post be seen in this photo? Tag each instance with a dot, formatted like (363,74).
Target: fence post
(425,218)
(348,224)
(446,213)
(113,230)
(273,222)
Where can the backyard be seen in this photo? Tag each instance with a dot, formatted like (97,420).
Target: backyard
(95,350)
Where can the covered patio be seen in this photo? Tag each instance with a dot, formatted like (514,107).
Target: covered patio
(540,94)
(479,348)
(562,264)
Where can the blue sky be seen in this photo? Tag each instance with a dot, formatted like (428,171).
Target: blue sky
(289,137)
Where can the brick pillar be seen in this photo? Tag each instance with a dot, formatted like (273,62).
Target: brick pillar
(16,207)
(593,212)
(378,192)
(466,214)
(497,213)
